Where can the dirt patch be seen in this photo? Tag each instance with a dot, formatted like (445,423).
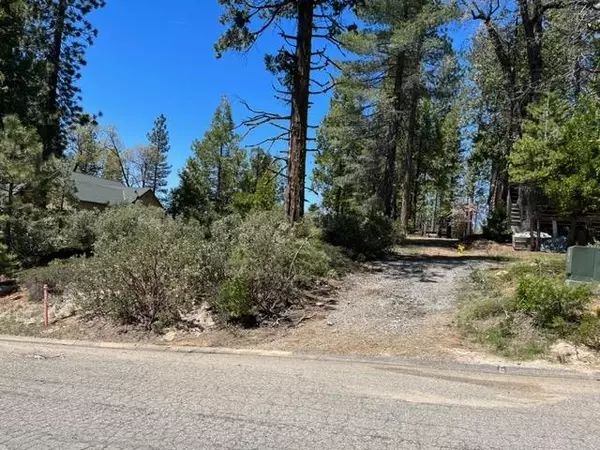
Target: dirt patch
(19,316)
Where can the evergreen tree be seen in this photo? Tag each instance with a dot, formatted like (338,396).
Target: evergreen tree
(67,34)
(559,156)
(20,152)
(259,186)
(212,175)
(158,169)
(86,150)
(347,171)
(380,141)
(42,49)
(27,186)
(528,50)
(190,199)
(22,71)
(311,20)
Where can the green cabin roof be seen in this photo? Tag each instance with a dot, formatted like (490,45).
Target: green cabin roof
(104,192)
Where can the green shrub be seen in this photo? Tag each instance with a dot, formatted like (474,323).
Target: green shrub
(81,229)
(57,275)
(147,269)
(368,236)
(35,234)
(588,332)
(234,301)
(550,302)
(40,235)
(520,309)
(121,222)
(269,261)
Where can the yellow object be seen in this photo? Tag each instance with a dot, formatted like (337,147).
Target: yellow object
(461,249)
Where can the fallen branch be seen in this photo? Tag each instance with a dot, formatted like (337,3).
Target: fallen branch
(304,317)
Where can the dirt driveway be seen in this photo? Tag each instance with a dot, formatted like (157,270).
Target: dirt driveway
(404,306)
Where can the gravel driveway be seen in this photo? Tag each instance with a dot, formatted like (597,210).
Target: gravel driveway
(402,306)
(397,296)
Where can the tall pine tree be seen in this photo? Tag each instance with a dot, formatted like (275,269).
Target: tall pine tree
(306,22)
(158,170)
(42,50)
(22,71)
(67,33)
(380,137)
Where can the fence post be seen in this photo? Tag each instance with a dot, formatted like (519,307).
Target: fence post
(46,305)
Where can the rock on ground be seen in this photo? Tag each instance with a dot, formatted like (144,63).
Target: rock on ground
(567,353)
(169,336)
(201,318)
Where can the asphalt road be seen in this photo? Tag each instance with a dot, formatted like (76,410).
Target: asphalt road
(58,397)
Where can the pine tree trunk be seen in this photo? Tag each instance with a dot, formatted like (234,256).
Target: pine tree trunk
(416,174)
(294,192)
(9,210)
(533,29)
(406,188)
(51,129)
(571,238)
(434,226)
(389,187)
(389,181)
(407,168)
(416,191)
(538,241)
(499,182)
(144,174)
(155,174)
(219,187)
(471,216)
(498,186)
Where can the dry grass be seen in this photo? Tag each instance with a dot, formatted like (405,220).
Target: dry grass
(19,316)
(480,249)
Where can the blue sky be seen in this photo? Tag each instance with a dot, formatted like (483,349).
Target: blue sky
(154,58)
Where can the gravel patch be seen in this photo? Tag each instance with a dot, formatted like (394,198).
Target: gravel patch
(397,296)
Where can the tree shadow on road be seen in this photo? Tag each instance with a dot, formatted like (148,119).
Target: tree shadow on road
(427,269)
(431,242)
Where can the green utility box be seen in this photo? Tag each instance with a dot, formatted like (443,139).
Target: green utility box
(583,264)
